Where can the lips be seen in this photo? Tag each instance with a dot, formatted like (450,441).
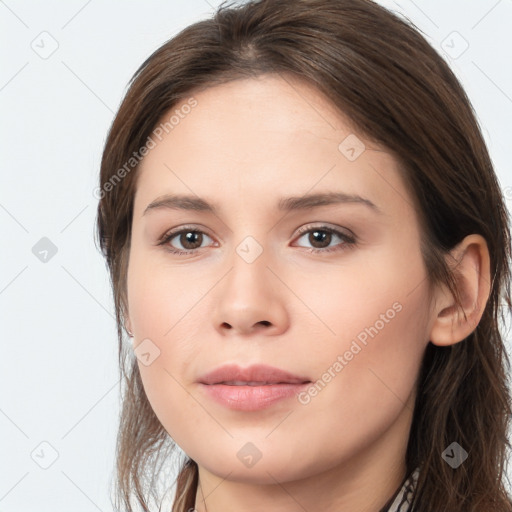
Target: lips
(251,389)
(255,375)
(244,383)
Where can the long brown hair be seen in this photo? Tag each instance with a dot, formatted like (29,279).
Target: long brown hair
(383,75)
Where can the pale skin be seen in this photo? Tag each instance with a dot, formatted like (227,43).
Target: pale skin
(246,145)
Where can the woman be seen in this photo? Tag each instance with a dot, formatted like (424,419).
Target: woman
(310,250)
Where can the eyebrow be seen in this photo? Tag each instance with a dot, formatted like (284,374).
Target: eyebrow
(287,204)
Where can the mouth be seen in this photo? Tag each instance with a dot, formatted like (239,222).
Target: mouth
(255,375)
(253,388)
(253,383)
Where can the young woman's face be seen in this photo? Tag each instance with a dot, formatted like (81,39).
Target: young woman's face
(331,291)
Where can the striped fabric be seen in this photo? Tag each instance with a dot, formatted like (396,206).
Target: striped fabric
(404,496)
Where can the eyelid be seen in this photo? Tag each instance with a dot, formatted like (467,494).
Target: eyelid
(327,227)
(180,229)
(349,238)
(300,231)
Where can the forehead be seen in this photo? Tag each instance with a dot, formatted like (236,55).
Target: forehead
(266,135)
(271,109)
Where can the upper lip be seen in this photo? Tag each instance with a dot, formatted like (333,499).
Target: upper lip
(255,373)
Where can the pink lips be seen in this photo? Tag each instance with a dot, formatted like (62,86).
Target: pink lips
(252,388)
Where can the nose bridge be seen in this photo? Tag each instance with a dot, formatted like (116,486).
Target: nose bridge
(249,241)
(252,248)
(249,265)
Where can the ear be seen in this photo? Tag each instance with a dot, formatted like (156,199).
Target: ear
(127,323)
(473,277)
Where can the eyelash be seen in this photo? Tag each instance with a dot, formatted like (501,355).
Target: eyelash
(348,241)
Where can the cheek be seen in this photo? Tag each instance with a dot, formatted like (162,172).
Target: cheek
(363,392)
(381,360)
(160,320)
(374,333)
(161,303)
(161,297)
(176,410)
(370,296)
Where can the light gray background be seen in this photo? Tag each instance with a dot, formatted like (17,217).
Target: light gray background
(60,390)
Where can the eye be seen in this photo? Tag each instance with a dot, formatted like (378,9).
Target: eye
(321,238)
(190,238)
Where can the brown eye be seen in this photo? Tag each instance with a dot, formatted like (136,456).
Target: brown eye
(185,240)
(190,239)
(320,239)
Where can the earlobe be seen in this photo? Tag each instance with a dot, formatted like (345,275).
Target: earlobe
(128,326)
(471,267)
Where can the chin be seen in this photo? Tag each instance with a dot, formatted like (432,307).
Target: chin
(267,470)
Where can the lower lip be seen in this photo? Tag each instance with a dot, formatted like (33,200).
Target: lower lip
(252,398)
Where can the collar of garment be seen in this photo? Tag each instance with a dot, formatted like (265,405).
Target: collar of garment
(403,499)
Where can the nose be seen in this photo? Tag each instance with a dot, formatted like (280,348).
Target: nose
(250,299)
